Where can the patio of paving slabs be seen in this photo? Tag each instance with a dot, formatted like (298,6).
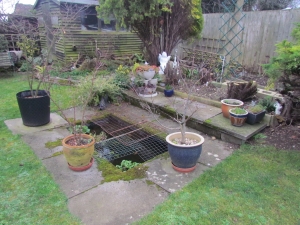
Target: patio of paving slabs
(112,202)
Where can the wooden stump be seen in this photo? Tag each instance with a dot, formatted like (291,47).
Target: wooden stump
(241,90)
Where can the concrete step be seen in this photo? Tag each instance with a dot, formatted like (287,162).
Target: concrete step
(207,119)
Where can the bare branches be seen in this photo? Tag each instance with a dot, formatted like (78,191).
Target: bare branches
(179,109)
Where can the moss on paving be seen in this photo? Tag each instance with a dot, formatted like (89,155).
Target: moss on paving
(112,173)
(149,182)
(53,144)
(99,117)
(57,153)
(208,121)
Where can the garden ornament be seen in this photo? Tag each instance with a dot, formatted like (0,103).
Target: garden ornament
(163,60)
(175,60)
(278,107)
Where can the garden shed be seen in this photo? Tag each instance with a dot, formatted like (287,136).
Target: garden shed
(82,31)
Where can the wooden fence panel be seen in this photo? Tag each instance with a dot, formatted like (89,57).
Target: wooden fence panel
(262,30)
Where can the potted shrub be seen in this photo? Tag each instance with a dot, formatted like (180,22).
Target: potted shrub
(168,91)
(145,70)
(34,104)
(184,147)
(78,148)
(238,116)
(255,114)
(228,104)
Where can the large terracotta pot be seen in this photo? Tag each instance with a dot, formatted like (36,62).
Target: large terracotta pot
(184,157)
(79,157)
(228,104)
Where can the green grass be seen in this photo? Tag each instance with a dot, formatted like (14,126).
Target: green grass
(28,193)
(256,185)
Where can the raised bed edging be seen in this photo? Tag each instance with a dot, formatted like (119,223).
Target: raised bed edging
(195,98)
(260,91)
(203,126)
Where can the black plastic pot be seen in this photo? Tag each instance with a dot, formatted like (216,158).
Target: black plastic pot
(255,118)
(34,111)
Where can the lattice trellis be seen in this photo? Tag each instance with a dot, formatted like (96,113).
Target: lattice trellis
(232,32)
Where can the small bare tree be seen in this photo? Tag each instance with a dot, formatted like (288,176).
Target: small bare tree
(181,108)
(26,31)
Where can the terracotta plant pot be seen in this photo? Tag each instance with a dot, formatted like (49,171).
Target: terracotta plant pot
(228,104)
(237,120)
(79,157)
(184,157)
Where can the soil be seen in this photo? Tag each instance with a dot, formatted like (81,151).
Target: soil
(260,79)
(284,136)
(207,91)
(78,142)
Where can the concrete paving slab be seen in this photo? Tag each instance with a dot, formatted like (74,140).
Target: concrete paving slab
(244,132)
(17,127)
(89,113)
(214,151)
(72,183)
(203,111)
(37,142)
(116,202)
(161,173)
(159,100)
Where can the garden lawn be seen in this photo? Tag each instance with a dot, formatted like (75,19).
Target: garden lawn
(28,193)
(255,185)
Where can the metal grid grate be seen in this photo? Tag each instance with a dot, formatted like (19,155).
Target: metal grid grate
(128,139)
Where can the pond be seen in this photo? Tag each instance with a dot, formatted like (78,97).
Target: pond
(126,141)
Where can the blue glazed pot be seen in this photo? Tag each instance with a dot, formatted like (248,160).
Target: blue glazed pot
(184,156)
(237,120)
(169,93)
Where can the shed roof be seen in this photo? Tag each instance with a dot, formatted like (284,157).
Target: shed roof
(83,2)
(23,10)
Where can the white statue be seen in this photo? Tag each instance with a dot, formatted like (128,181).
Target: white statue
(278,107)
(163,60)
(175,60)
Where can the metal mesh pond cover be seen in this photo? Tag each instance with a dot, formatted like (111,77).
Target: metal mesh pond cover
(128,139)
